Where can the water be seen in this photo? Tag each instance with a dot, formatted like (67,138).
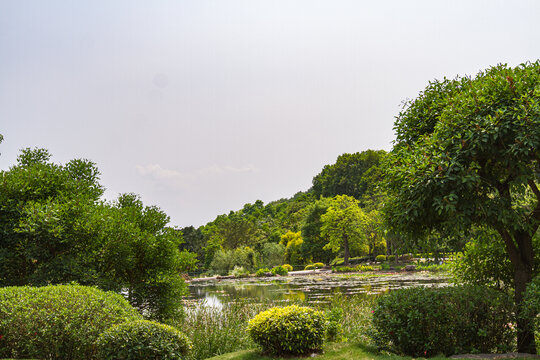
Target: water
(312,288)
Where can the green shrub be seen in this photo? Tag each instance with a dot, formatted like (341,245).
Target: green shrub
(291,330)
(531,303)
(141,340)
(279,270)
(239,271)
(334,330)
(380,258)
(287,267)
(310,267)
(262,272)
(453,320)
(391,258)
(57,322)
(343,269)
(364,268)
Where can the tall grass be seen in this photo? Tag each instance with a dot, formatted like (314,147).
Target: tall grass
(215,331)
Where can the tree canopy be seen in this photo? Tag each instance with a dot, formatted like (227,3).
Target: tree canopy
(467,153)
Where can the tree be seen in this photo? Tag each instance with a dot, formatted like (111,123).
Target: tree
(312,248)
(342,225)
(292,241)
(55,229)
(467,153)
(345,176)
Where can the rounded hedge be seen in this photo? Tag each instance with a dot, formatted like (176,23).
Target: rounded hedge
(291,330)
(142,340)
(380,258)
(279,270)
(57,322)
(288,267)
(452,320)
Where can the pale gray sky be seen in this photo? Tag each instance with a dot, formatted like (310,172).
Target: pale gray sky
(202,106)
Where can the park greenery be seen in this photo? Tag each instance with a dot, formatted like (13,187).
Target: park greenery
(461,181)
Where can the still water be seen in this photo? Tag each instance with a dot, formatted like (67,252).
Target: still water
(312,288)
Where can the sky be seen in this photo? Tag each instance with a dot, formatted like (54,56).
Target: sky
(203,106)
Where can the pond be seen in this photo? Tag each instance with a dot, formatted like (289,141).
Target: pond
(312,288)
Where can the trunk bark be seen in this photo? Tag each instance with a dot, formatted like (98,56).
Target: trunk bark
(521,255)
(346,253)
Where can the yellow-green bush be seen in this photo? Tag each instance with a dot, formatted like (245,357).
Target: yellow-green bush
(291,330)
(287,267)
(314,266)
(57,322)
(141,340)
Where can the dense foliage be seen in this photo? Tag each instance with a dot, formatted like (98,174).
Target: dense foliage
(142,340)
(55,229)
(467,154)
(288,330)
(57,322)
(454,320)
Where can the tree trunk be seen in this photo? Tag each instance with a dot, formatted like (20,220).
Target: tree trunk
(525,331)
(521,253)
(346,253)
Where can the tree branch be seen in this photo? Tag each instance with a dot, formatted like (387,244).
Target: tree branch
(535,214)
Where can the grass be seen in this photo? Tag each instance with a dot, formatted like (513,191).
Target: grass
(219,331)
(333,351)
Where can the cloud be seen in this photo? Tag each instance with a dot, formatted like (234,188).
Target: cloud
(185,179)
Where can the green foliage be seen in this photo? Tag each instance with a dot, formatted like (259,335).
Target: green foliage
(141,340)
(342,225)
(314,266)
(380,258)
(531,303)
(293,241)
(288,330)
(273,254)
(312,249)
(239,271)
(484,262)
(345,177)
(225,260)
(279,270)
(352,269)
(57,322)
(287,267)
(334,329)
(391,257)
(55,230)
(262,272)
(472,319)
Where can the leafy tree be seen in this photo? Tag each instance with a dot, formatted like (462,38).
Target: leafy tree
(374,232)
(467,153)
(292,242)
(194,241)
(55,229)
(273,254)
(312,248)
(342,225)
(345,177)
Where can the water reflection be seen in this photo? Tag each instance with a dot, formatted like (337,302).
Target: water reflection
(313,288)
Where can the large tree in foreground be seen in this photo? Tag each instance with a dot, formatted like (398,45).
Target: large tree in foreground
(467,153)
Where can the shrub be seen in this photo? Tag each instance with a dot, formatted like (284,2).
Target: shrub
(262,272)
(364,268)
(453,320)
(310,267)
(141,340)
(344,269)
(291,330)
(239,271)
(391,258)
(380,258)
(334,330)
(287,267)
(57,322)
(531,303)
(279,270)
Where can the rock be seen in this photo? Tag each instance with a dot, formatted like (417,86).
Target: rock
(410,267)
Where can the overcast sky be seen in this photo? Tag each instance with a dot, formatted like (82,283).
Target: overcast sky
(202,106)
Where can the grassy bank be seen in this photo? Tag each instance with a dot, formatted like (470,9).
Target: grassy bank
(220,331)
